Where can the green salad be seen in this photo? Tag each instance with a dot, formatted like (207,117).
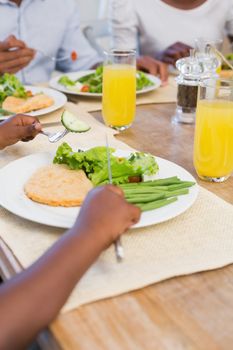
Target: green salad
(10,86)
(147,195)
(93,82)
(94,162)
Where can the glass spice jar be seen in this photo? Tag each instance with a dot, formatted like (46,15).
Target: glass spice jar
(191,71)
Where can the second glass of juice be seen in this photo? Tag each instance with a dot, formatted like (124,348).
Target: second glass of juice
(119,89)
(213,144)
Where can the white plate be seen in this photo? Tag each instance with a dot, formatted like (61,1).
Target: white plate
(74,76)
(15,175)
(59,100)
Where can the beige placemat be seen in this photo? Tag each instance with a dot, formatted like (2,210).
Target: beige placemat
(165,94)
(200,239)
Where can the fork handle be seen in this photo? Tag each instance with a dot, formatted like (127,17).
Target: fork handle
(46,133)
(119,250)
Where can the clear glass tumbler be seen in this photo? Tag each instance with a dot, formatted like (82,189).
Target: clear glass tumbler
(210,60)
(213,143)
(200,44)
(119,89)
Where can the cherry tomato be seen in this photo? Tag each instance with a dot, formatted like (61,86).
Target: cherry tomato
(74,55)
(85,88)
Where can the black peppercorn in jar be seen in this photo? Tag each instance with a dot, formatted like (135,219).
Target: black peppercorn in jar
(187,96)
(187,90)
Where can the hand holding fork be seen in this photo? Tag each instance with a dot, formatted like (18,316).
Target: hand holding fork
(15,55)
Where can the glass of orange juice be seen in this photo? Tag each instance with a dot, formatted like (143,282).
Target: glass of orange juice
(119,89)
(213,142)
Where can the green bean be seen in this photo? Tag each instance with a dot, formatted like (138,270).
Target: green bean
(140,198)
(166,181)
(154,194)
(145,189)
(156,204)
(182,185)
(173,181)
(145,199)
(176,192)
(145,194)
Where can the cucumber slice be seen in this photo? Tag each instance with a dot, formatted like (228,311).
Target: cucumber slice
(72,123)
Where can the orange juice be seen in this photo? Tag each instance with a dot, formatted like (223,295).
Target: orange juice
(119,95)
(213,146)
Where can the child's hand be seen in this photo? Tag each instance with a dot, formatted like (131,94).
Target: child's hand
(105,215)
(18,127)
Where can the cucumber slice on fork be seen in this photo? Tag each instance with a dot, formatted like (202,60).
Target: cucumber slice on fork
(72,123)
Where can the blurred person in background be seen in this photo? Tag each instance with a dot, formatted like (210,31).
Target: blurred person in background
(167,29)
(51,26)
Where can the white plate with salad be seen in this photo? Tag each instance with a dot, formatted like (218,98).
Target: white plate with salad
(89,83)
(13,198)
(59,98)
(11,86)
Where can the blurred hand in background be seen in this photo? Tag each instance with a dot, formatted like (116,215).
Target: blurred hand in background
(152,66)
(174,53)
(14,55)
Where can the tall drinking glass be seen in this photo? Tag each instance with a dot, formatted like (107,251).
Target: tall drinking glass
(119,89)
(207,58)
(213,144)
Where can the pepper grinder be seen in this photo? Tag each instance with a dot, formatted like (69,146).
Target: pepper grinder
(191,70)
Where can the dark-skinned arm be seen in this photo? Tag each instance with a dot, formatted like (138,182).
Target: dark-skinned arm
(31,300)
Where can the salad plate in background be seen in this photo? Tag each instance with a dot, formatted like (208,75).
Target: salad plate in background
(10,86)
(58,97)
(13,198)
(89,83)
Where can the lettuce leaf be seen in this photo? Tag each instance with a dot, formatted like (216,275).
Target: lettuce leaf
(143,81)
(144,163)
(95,81)
(66,81)
(11,86)
(95,164)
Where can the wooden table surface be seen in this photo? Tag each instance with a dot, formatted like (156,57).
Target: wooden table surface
(184,313)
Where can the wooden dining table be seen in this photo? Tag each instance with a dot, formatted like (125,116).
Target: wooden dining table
(191,312)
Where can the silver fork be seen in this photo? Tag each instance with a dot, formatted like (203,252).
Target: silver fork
(119,251)
(53,58)
(55,136)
